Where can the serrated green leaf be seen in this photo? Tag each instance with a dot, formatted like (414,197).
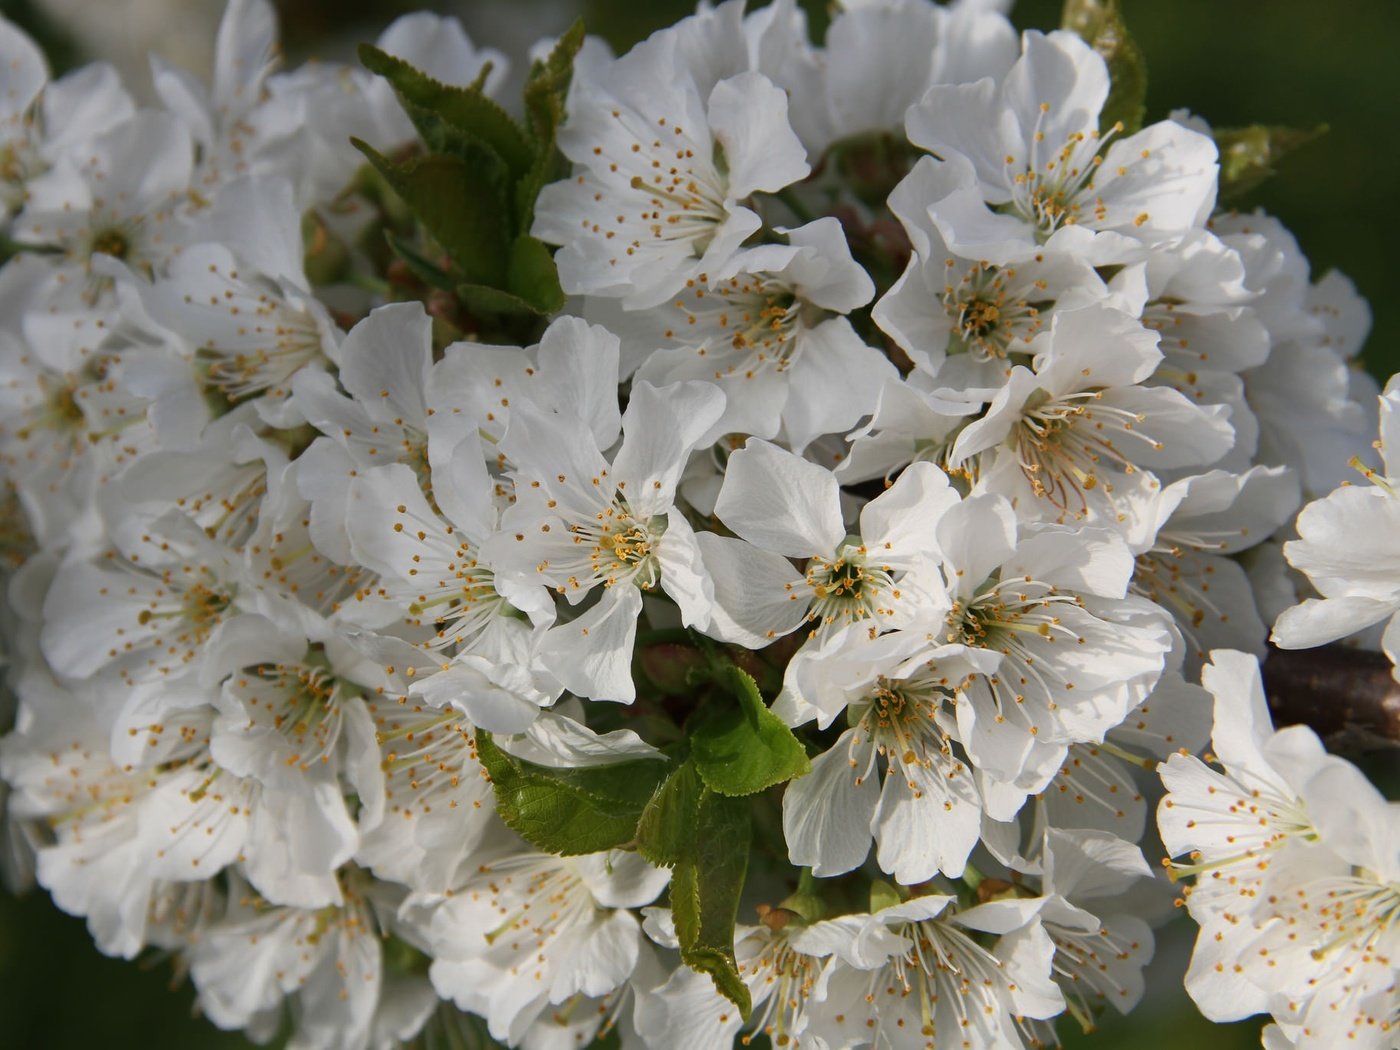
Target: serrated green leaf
(545,93)
(1248,155)
(743,749)
(558,65)
(569,811)
(466,110)
(705,891)
(1083,17)
(458,207)
(1100,24)
(666,830)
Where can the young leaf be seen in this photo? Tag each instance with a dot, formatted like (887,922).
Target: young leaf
(457,205)
(1100,24)
(569,811)
(883,895)
(1248,155)
(743,750)
(704,838)
(705,890)
(545,92)
(531,285)
(532,275)
(465,110)
(666,830)
(482,301)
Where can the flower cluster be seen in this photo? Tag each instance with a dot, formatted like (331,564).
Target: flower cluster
(412,655)
(1297,865)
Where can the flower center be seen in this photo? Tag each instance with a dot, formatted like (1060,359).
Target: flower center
(620,547)
(19,162)
(789,978)
(901,716)
(846,588)
(1064,443)
(306,710)
(202,607)
(538,898)
(1053,187)
(989,314)
(113,242)
(742,325)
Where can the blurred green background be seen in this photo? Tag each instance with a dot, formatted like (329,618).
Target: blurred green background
(1235,62)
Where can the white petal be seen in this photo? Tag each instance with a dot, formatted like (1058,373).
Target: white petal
(498,698)
(599,961)
(781,502)
(592,656)
(1318,621)
(580,366)
(554,739)
(749,116)
(834,383)
(827,812)
(660,429)
(621,879)
(826,275)
(759,596)
(386,361)
(1058,87)
(683,574)
(1081,863)
(926,826)
(901,521)
(971,122)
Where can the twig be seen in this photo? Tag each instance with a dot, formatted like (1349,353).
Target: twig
(1348,696)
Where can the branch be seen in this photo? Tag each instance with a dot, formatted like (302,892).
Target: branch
(1348,696)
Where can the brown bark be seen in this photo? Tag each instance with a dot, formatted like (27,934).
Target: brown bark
(1348,696)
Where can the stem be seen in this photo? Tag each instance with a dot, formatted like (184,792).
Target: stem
(1348,695)
(795,205)
(667,636)
(369,283)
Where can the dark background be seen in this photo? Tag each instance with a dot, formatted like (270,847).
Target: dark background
(1235,62)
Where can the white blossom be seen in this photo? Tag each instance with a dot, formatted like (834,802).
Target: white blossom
(651,204)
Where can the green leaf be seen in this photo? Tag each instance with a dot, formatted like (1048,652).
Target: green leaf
(532,275)
(704,838)
(743,750)
(608,1040)
(705,890)
(465,110)
(883,895)
(569,811)
(483,300)
(457,205)
(1100,24)
(531,284)
(545,94)
(666,830)
(1248,155)
(555,69)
